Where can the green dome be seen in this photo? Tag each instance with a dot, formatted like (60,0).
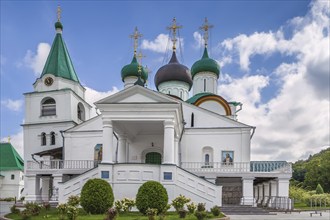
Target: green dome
(205,64)
(132,70)
(58,25)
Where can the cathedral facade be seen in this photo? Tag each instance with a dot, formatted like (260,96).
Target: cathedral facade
(194,146)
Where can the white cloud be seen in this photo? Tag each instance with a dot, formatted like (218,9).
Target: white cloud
(199,40)
(295,120)
(37,61)
(16,141)
(160,44)
(92,95)
(14,105)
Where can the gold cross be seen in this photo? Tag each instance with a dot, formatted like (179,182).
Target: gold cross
(136,35)
(139,57)
(174,27)
(206,26)
(59,11)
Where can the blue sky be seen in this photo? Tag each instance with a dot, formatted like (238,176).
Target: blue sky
(272,53)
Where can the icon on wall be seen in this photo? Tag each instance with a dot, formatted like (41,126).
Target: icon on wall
(98,152)
(227,157)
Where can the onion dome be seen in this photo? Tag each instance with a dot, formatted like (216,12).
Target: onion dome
(205,64)
(58,25)
(132,69)
(173,71)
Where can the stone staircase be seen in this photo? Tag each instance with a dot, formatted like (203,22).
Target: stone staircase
(244,210)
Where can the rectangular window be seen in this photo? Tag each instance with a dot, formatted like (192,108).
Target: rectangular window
(105,174)
(12,176)
(167,175)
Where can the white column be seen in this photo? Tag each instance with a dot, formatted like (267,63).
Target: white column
(260,193)
(246,145)
(283,187)
(122,149)
(176,150)
(255,190)
(273,192)
(45,183)
(168,142)
(247,185)
(107,154)
(266,192)
(33,188)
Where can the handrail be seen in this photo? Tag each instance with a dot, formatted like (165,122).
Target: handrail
(62,164)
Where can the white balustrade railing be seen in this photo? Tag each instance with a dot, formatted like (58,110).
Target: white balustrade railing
(241,167)
(62,164)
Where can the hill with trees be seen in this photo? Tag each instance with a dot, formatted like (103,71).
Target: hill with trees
(313,171)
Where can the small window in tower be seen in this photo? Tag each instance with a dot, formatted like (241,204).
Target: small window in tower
(207,159)
(43,139)
(204,85)
(12,176)
(48,107)
(81,112)
(192,119)
(181,94)
(52,138)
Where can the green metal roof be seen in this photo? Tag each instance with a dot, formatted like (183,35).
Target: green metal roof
(194,99)
(9,158)
(59,62)
(133,70)
(205,64)
(235,103)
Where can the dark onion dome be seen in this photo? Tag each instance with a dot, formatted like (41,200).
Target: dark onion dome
(58,25)
(173,71)
(132,69)
(205,64)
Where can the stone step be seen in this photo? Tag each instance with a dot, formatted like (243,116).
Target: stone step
(244,210)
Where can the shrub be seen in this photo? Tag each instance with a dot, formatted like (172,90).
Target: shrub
(96,196)
(319,189)
(151,213)
(26,214)
(151,195)
(14,210)
(200,212)
(73,201)
(179,202)
(215,210)
(46,205)
(61,209)
(191,208)
(33,208)
(111,214)
(118,205)
(182,213)
(127,204)
(72,212)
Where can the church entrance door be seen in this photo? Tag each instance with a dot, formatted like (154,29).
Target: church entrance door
(153,158)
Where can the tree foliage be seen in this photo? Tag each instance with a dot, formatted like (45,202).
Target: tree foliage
(313,171)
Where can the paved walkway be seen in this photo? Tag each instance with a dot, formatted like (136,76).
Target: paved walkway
(283,216)
(5,208)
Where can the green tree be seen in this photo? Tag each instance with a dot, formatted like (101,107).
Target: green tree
(319,189)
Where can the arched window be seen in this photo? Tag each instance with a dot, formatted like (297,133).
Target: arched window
(192,119)
(181,94)
(204,85)
(81,111)
(52,138)
(43,139)
(207,159)
(48,107)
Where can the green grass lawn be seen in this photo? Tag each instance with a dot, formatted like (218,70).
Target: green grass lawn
(52,215)
(304,206)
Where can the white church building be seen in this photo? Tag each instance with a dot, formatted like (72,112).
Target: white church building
(194,146)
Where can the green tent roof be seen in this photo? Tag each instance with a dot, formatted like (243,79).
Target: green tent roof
(59,62)
(205,64)
(194,99)
(9,158)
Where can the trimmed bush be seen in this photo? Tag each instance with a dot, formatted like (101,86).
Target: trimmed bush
(319,189)
(73,201)
(151,195)
(215,210)
(96,196)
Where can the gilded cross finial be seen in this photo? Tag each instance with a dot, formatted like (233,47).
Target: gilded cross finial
(136,35)
(206,26)
(139,56)
(173,28)
(59,11)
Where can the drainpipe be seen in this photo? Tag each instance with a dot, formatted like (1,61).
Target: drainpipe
(116,158)
(253,130)
(63,142)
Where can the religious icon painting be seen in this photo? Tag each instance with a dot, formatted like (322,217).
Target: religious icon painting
(227,157)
